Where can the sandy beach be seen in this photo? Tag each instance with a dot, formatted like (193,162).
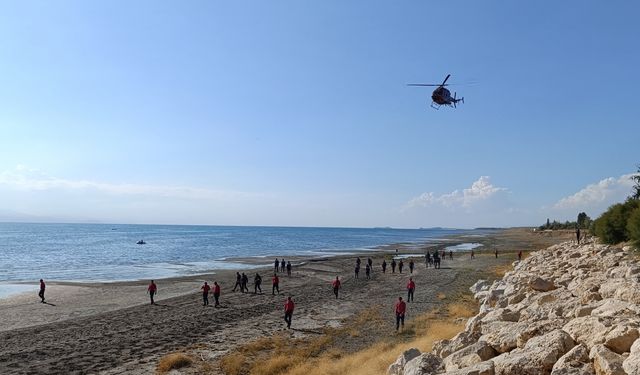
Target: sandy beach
(112,329)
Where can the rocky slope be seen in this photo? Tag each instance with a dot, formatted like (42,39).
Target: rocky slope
(564,310)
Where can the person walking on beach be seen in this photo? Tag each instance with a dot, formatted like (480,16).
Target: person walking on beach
(520,255)
(283,264)
(370,263)
(357,270)
(243,285)
(496,252)
(411,264)
(367,271)
(275,265)
(578,235)
(256,284)
(238,281)
(400,265)
(473,254)
(336,286)
(288,311)
(400,310)
(41,292)
(358,261)
(384,266)
(393,266)
(216,293)
(427,259)
(152,289)
(411,286)
(205,293)
(275,281)
(451,254)
(436,260)
(289,269)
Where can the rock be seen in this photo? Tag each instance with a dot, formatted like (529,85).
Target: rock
(632,363)
(541,285)
(588,330)
(621,338)
(505,315)
(574,362)
(537,357)
(426,363)
(463,339)
(397,367)
(615,308)
(471,355)
(506,336)
(483,368)
(606,362)
(479,286)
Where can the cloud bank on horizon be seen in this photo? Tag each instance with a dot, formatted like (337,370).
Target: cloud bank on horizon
(29,193)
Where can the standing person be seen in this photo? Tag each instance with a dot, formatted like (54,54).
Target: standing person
(400,265)
(411,266)
(393,266)
(578,235)
(289,269)
(216,293)
(283,264)
(152,289)
(370,263)
(400,309)
(367,271)
(205,293)
(357,270)
(411,286)
(436,260)
(336,286)
(496,252)
(288,311)
(358,261)
(520,255)
(42,287)
(427,259)
(443,255)
(243,285)
(473,254)
(256,284)
(275,265)
(238,282)
(274,284)
(451,254)
(384,266)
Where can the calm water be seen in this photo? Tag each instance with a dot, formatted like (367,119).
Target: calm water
(98,252)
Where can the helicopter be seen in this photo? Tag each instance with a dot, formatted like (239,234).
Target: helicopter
(441,96)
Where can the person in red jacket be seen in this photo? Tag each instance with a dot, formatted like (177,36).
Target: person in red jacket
(336,286)
(275,283)
(401,308)
(41,292)
(216,293)
(205,294)
(411,286)
(152,290)
(288,311)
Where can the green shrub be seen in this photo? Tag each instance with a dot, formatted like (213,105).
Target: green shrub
(633,227)
(611,226)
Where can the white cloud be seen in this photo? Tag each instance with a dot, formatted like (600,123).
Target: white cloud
(598,196)
(29,179)
(481,190)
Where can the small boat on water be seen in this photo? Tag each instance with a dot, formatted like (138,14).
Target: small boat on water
(141,242)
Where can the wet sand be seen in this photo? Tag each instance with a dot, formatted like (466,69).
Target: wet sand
(111,328)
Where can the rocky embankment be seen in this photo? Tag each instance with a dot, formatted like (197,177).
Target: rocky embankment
(564,310)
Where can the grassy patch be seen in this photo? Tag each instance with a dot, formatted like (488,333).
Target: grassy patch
(173,361)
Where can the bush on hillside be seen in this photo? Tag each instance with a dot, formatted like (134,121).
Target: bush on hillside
(633,227)
(611,226)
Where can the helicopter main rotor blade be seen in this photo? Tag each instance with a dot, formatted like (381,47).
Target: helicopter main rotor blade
(445,80)
(423,84)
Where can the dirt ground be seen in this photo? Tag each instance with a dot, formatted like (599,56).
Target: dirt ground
(130,338)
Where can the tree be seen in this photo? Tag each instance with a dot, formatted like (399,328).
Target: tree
(633,227)
(582,217)
(611,226)
(636,187)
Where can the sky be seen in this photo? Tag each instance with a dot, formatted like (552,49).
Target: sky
(297,113)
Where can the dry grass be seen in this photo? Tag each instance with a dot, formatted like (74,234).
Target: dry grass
(173,361)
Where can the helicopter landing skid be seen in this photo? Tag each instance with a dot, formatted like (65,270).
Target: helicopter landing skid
(435,106)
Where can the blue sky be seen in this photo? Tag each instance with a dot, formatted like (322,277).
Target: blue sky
(297,113)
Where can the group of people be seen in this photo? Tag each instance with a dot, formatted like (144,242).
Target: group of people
(281,266)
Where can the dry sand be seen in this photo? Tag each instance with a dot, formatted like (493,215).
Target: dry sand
(111,328)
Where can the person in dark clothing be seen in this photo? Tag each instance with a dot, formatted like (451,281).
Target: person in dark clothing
(205,293)
(436,260)
(411,287)
(336,286)
(400,265)
(367,271)
(370,263)
(496,252)
(427,259)
(42,287)
(357,270)
(289,269)
(473,254)
(275,265)
(393,266)
(283,264)
(238,282)
(384,266)
(520,255)
(275,281)
(243,285)
(256,284)
(216,293)
(411,264)
(451,254)
(288,311)
(152,289)
(400,310)
(358,261)
(578,235)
